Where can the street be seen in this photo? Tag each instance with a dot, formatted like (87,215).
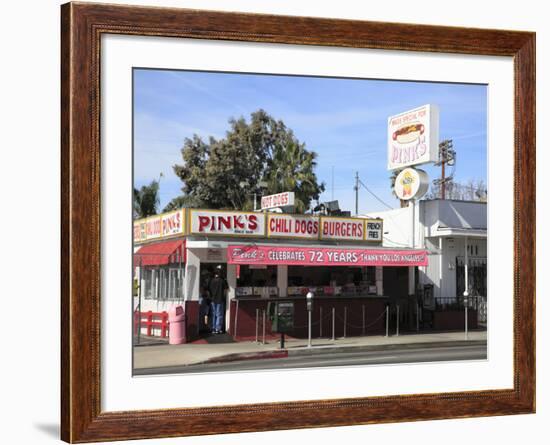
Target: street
(405,354)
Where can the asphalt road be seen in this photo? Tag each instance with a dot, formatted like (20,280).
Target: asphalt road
(406,354)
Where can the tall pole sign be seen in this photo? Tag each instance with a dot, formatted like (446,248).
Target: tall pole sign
(413,137)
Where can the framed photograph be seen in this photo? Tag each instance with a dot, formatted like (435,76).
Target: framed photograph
(274,222)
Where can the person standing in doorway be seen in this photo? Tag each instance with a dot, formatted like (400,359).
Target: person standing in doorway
(205,312)
(218,288)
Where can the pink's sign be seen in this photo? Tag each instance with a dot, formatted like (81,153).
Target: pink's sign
(324,256)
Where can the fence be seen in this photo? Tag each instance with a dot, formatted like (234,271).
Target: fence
(477,276)
(151,320)
(476,302)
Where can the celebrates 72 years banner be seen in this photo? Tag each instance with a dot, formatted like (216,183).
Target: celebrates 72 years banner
(324,256)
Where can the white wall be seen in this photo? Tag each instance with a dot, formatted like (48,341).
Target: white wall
(397,226)
(428,216)
(29,83)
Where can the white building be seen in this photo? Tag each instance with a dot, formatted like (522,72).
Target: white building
(450,231)
(265,256)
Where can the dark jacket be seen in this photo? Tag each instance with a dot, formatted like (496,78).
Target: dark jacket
(217,289)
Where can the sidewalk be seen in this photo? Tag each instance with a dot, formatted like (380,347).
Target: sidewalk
(189,354)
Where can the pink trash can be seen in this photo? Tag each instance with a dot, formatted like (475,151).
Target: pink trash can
(176,317)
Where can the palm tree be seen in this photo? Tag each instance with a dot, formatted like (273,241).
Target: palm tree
(182,201)
(146,200)
(292,170)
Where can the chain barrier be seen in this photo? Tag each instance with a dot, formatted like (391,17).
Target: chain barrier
(315,322)
(366,326)
(329,316)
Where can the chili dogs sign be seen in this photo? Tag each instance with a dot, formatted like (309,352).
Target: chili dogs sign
(280,225)
(305,256)
(220,222)
(413,137)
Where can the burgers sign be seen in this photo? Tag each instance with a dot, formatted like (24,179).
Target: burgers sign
(413,137)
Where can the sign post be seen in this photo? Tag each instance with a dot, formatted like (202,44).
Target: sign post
(309,303)
(466,289)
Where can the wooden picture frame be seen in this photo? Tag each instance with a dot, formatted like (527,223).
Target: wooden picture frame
(82,26)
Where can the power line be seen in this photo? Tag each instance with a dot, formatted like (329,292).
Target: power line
(374,194)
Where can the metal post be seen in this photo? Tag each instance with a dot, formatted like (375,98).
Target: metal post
(397,326)
(466,318)
(257,320)
(387,321)
(320,321)
(333,324)
(363,319)
(236,317)
(345,319)
(417,317)
(413,229)
(263,326)
(139,304)
(309,329)
(466,288)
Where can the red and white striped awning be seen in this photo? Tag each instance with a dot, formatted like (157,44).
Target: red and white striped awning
(162,253)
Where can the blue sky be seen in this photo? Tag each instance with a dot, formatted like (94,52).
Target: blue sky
(343,120)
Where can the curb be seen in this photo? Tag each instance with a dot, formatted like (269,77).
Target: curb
(304,350)
(328,349)
(238,356)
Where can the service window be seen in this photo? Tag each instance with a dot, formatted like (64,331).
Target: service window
(175,283)
(259,276)
(163,284)
(148,283)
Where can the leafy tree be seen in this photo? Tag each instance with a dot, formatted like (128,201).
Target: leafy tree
(471,190)
(226,173)
(146,200)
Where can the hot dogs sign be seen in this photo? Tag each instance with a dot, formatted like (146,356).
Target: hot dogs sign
(413,137)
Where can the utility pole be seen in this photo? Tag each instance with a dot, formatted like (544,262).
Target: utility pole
(443,178)
(356,188)
(447,156)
